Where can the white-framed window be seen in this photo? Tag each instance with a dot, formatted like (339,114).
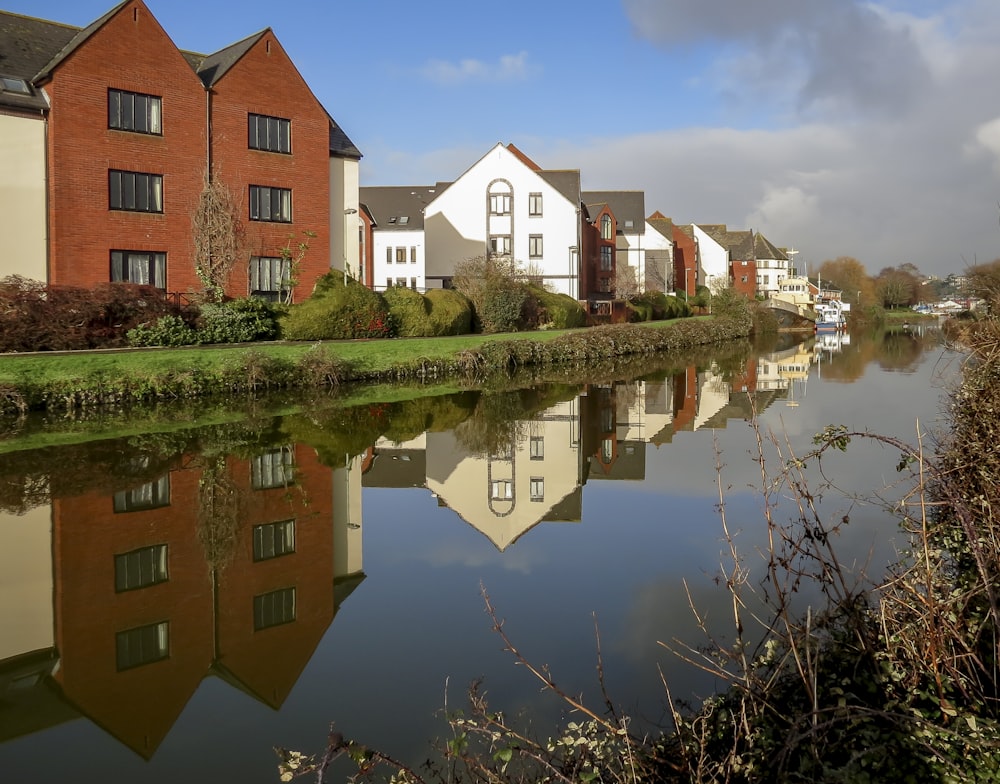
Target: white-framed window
(535,246)
(499,204)
(273,540)
(536,447)
(148,268)
(536,489)
(270,204)
(401,282)
(135,191)
(535,205)
(141,568)
(269,277)
(136,112)
(500,245)
(270,134)
(501,490)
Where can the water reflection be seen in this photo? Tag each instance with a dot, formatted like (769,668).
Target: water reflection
(135,570)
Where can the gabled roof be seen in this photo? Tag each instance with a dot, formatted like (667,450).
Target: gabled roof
(523,158)
(763,249)
(662,225)
(31,49)
(629,208)
(397,207)
(740,244)
(566,181)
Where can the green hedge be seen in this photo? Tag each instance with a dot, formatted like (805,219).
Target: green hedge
(336,311)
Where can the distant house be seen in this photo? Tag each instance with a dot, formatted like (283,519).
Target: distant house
(713,258)
(773,265)
(506,206)
(109,132)
(396,235)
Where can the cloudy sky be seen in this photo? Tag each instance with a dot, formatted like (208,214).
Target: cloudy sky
(838,127)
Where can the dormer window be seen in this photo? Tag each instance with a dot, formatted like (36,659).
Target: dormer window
(11,85)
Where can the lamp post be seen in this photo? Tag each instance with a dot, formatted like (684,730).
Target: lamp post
(348,212)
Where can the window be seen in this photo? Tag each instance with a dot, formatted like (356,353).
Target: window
(537,448)
(270,204)
(604,285)
(274,468)
(404,219)
(413,283)
(135,191)
(388,283)
(629,223)
(500,245)
(10,85)
(606,258)
(413,254)
(388,255)
(537,488)
(502,490)
(142,645)
(535,246)
(269,278)
(535,205)
(743,278)
(274,608)
(151,495)
(606,227)
(141,568)
(499,204)
(148,268)
(401,282)
(401,255)
(271,134)
(272,540)
(134,112)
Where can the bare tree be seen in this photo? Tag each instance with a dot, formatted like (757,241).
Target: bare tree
(626,282)
(219,237)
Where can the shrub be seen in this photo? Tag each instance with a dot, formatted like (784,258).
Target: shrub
(558,311)
(410,311)
(37,317)
(336,311)
(165,331)
(450,312)
(501,308)
(237,321)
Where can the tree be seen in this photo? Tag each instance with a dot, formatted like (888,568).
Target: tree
(219,237)
(896,287)
(626,282)
(495,287)
(850,276)
(983,281)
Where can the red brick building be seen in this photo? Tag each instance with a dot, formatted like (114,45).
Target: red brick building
(132,127)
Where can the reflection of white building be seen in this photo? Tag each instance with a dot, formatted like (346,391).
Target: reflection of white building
(713,396)
(27,624)
(645,408)
(347,539)
(505,495)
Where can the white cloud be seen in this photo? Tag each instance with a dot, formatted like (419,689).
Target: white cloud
(987,138)
(509,68)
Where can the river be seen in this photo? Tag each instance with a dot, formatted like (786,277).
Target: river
(177,602)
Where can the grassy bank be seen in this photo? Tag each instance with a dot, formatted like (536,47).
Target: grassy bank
(74,380)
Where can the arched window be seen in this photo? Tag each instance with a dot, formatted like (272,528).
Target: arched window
(606,227)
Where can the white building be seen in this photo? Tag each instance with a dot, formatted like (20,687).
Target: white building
(398,253)
(713,260)
(506,206)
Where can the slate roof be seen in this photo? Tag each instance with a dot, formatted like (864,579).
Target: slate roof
(664,226)
(626,205)
(30,49)
(566,181)
(763,249)
(388,203)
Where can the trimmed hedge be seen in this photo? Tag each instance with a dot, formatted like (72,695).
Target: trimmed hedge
(558,311)
(450,313)
(336,311)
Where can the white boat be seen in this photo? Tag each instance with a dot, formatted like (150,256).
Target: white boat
(830,315)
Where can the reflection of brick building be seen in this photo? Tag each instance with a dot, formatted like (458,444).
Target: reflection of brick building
(141,618)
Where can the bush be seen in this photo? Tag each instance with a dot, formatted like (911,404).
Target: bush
(410,311)
(37,317)
(558,311)
(165,331)
(501,308)
(336,311)
(238,321)
(450,313)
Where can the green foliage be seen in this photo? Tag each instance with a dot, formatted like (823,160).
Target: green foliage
(557,311)
(336,311)
(165,331)
(237,321)
(501,308)
(496,290)
(410,311)
(450,313)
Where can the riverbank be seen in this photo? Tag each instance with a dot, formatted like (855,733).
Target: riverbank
(76,380)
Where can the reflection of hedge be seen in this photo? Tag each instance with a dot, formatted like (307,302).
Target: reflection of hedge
(336,311)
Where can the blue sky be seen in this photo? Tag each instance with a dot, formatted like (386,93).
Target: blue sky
(838,127)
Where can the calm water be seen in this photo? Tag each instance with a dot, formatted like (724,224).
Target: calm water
(175,604)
